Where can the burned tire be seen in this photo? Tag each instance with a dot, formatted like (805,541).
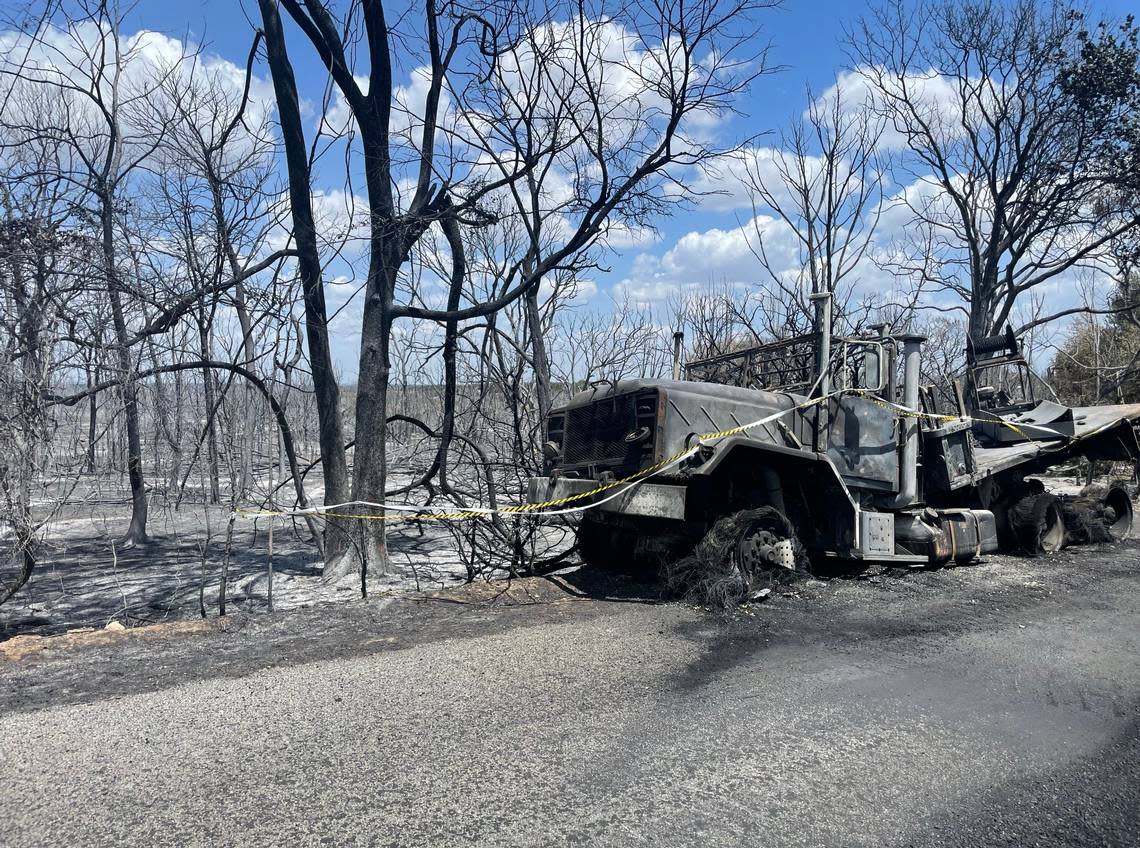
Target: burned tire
(1116,509)
(1085,522)
(741,554)
(1036,524)
(1098,515)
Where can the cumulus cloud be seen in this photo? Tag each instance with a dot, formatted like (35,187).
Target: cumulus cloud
(700,258)
(54,76)
(341,219)
(718,256)
(569,291)
(723,184)
(567,73)
(409,104)
(620,236)
(935,96)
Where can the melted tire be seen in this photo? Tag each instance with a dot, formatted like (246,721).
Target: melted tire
(1036,524)
(1119,520)
(716,574)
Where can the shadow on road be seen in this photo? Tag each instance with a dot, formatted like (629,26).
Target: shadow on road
(898,609)
(597,584)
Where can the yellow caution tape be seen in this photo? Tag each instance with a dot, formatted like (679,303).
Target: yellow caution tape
(423,513)
(405,512)
(932,416)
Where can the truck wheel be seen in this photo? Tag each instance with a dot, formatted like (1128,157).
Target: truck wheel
(1117,511)
(1037,524)
(766,543)
(740,554)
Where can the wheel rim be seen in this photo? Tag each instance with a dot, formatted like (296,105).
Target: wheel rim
(761,549)
(1118,501)
(1053,533)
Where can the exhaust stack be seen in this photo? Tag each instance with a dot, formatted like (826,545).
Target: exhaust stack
(822,301)
(908,459)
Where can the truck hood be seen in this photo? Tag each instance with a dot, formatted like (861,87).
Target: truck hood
(711,392)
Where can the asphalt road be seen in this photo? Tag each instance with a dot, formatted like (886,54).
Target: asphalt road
(989,705)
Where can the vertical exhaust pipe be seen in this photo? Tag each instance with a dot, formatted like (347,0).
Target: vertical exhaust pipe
(822,301)
(678,338)
(908,459)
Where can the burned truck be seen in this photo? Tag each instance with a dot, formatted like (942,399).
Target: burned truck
(820,449)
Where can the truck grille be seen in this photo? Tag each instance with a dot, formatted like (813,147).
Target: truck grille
(595,434)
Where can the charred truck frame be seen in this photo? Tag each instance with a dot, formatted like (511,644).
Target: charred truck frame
(874,470)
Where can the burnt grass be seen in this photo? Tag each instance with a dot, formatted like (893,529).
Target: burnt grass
(85,578)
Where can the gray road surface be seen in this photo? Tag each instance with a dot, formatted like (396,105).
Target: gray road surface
(990,705)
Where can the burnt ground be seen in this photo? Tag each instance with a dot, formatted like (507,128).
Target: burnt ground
(993,704)
(85,578)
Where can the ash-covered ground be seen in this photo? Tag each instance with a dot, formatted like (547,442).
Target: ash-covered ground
(85,578)
(985,705)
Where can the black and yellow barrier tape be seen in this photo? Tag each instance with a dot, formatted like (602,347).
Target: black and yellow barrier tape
(561,506)
(907,412)
(557,506)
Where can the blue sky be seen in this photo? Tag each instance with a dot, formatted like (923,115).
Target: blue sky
(807,41)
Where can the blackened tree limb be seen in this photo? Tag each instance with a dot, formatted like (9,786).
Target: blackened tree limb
(201,364)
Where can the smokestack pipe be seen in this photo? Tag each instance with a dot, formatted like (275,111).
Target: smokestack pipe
(908,460)
(678,338)
(822,301)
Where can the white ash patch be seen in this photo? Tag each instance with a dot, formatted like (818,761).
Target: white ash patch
(85,578)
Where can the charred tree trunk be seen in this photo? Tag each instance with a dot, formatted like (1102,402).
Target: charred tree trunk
(325,388)
(92,414)
(538,353)
(136,532)
(369,476)
(450,344)
(211,429)
(18,470)
(241,307)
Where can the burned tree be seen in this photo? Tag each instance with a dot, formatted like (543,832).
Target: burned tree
(1006,109)
(534,102)
(823,183)
(86,99)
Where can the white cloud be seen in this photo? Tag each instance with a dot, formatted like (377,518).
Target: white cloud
(409,104)
(935,96)
(338,116)
(698,259)
(714,257)
(724,184)
(145,74)
(573,291)
(341,219)
(620,235)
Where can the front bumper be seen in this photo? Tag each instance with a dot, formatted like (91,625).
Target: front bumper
(650,500)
